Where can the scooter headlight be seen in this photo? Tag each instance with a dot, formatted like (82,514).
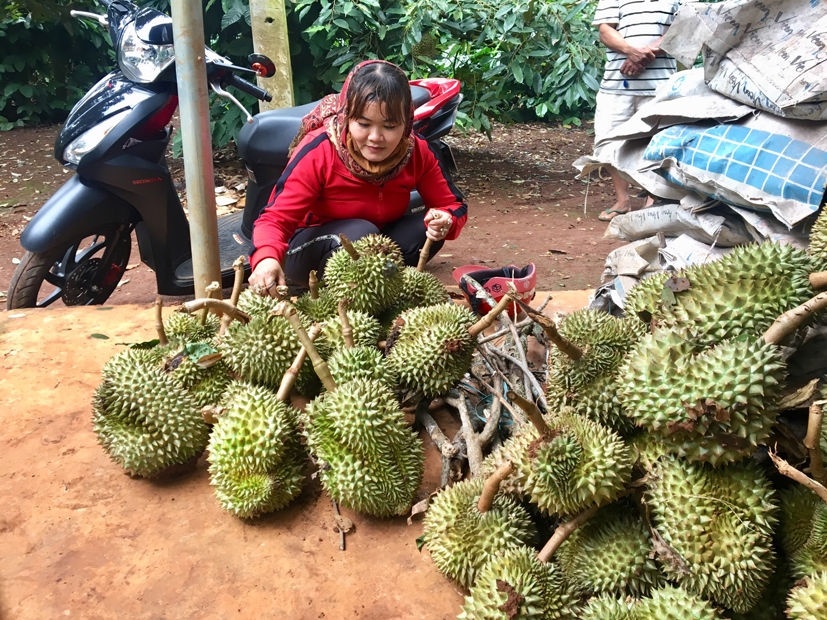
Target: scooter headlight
(88,140)
(140,61)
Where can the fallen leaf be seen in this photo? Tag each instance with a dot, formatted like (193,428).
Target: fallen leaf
(557,252)
(343,523)
(15,261)
(2,294)
(132,266)
(99,336)
(122,282)
(225,201)
(19,315)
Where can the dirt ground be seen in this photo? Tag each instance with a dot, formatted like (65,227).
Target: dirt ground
(78,538)
(524,205)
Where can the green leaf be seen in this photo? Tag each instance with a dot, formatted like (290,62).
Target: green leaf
(420,542)
(99,336)
(517,71)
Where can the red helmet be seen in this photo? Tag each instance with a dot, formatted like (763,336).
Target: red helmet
(495,281)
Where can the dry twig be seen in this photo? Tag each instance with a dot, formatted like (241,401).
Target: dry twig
(813,442)
(563,531)
(238,282)
(159,322)
(791,320)
(791,472)
(215,305)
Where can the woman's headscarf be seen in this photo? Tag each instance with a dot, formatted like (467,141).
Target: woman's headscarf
(332,113)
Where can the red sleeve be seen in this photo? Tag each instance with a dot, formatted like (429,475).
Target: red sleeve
(437,188)
(295,193)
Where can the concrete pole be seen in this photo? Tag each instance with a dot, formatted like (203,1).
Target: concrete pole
(268,19)
(193,97)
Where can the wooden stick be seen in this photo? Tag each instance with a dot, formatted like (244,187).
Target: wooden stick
(499,398)
(238,282)
(492,486)
(791,320)
(813,442)
(159,322)
(563,531)
(447,450)
(472,442)
(535,384)
(347,330)
(319,365)
(791,472)
(493,421)
(488,320)
(550,329)
(215,305)
(818,280)
(292,373)
(210,290)
(503,332)
(533,412)
(348,246)
(424,255)
(313,284)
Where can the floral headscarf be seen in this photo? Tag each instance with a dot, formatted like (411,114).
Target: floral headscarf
(332,113)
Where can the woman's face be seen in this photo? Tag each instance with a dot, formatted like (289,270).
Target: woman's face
(373,134)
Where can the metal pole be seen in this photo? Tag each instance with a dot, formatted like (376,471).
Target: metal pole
(193,96)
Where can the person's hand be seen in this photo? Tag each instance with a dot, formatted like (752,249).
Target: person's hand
(267,275)
(640,55)
(631,69)
(437,224)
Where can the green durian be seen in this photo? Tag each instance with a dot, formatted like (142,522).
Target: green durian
(808,600)
(818,237)
(772,603)
(811,557)
(714,405)
(797,505)
(611,553)
(318,309)
(182,328)
(372,282)
(645,298)
(432,348)
(205,385)
(462,540)
(719,523)
(516,585)
(347,364)
(607,607)
(261,351)
(256,305)
(580,463)
(671,603)
(366,331)
(419,289)
(143,418)
(257,463)
(588,384)
(369,460)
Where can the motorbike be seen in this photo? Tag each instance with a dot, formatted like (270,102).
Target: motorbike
(116,138)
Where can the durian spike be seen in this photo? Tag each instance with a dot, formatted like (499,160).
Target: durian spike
(210,290)
(488,320)
(313,285)
(818,280)
(563,531)
(348,246)
(813,442)
(424,255)
(492,486)
(238,282)
(785,469)
(791,320)
(292,373)
(159,322)
(533,412)
(550,330)
(216,305)
(319,365)
(347,330)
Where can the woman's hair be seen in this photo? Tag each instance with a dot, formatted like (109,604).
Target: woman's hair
(385,84)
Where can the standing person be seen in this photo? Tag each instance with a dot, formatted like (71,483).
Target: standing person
(352,172)
(635,66)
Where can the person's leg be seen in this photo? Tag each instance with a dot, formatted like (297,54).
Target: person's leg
(612,111)
(310,248)
(409,233)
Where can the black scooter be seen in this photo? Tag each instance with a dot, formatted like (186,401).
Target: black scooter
(78,244)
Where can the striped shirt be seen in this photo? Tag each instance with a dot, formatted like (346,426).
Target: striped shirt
(639,22)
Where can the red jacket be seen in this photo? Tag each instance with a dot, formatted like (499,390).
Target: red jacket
(317,188)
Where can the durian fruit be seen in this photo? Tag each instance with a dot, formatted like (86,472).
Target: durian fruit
(367,272)
(257,463)
(366,331)
(671,603)
(808,600)
(772,603)
(811,556)
(611,553)
(797,505)
(181,328)
(143,418)
(316,304)
(462,540)
(587,383)
(419,289)
(645,298)
(607,607)
(205,384)
(714,405)
(818,237)
(516,584)
(256,305)
(719,523)
(368,363)
(572,464)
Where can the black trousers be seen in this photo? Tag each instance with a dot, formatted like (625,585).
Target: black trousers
(309,248)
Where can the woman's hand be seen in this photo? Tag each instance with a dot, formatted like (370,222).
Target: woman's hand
(437,224)
(267,275)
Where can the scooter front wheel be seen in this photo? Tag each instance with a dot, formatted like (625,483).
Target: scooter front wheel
(82,273)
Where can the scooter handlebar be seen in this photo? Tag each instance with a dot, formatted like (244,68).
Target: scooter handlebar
(250,89)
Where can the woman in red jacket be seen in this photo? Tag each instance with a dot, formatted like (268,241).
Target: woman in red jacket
(352,172)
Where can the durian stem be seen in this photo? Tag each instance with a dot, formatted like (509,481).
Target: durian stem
(492,486)
(533,412)
(424,255)
(238,282)
(292,373)
(813,442)
(488,320)
(215,305)
(791,320)
(818,280)
(313,284)
(159,322)
(319,365)
(563,531)
(550,329)
(472,442)
(347,330)
(791,472)
(211,289)
(348,246)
